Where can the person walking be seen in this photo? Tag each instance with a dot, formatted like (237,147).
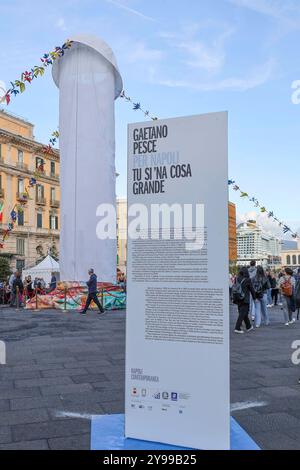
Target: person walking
(242,290)
(261,285)
(252,273)
(297,293)
(92,293)
(11,282)
(287,287)
(275,289)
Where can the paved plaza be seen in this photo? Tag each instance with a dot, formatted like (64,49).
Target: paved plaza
(63,368)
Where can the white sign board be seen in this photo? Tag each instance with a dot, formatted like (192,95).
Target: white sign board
(177,337)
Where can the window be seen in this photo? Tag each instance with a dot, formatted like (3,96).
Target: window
(288,259)
(20,265)
(53,222)
(298,259)
(0,150)
(39,191)
(52,168)
(21,246)
(20,156)
(20,186)
(0,181)
(39,162)
(20,217)
(39,220)
(294,259)
(52,194)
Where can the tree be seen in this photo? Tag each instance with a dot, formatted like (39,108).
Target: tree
(5,270)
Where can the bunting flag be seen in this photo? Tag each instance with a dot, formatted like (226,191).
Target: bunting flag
(285,228)
(137,106)
(24,197)
(19,86)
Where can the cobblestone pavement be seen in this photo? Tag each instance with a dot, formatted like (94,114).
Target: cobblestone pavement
(62,368)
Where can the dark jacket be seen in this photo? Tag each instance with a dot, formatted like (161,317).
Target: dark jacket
(92,284)
(18,283)
(53,283)
(247,288)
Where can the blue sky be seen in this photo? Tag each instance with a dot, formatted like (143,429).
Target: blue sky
(179,58)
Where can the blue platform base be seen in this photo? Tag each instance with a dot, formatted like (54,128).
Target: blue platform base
(107,433)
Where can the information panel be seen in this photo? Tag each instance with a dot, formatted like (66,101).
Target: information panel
(177,335)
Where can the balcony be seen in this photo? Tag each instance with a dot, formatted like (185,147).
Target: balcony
(54,176)
(22,166)
(22,197)
(40,200)
(54,203)
(2,192)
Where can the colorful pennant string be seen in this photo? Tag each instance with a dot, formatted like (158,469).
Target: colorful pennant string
(19,86)
(263,209)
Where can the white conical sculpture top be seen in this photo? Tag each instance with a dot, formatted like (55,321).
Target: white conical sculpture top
(89,81)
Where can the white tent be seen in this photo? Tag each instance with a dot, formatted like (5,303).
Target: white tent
(43,270)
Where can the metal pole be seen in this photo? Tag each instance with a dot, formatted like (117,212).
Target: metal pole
(36,299)
(18,302)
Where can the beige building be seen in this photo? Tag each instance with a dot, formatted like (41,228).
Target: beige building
(291,258)
(21,158)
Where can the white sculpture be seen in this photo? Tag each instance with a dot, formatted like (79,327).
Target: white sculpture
(89,81)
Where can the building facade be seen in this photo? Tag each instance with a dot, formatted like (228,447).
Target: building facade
(122,233)
(291,258)
(232,232)
(37,226)
(253,244)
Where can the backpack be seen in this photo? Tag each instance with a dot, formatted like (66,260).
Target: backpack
(238,294)
(287,288)
(258,286)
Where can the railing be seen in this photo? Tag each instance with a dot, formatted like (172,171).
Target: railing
(22,197)
(54,176)
(54,203)
(40,200)
(22,166)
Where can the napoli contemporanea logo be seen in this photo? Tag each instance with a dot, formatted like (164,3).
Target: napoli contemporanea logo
(2,353)
(155,222)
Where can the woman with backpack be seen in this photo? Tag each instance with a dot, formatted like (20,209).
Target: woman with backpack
(287,287)
(261,285)
(241,296)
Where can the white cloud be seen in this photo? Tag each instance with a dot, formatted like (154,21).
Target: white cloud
(199,51)
(132,11)
(268,225)
(139,52)
(61,24)
(287,11)
(257,77)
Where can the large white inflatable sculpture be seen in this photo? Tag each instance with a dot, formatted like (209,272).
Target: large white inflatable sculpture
(89,81)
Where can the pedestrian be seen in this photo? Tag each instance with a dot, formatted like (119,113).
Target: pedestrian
(10,282)
(53,282)
(252,273)
(269,291)
(92,293)
(275,289)
(287,287)
(241,292)
(17,289)
(297,294)
(261,285)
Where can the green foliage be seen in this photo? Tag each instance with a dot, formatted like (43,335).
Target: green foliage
(5,270)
